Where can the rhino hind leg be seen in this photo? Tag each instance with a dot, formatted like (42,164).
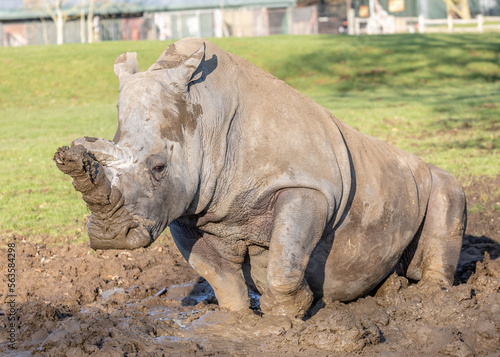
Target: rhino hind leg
(434,253)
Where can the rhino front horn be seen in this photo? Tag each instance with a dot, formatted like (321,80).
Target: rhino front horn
(88,175)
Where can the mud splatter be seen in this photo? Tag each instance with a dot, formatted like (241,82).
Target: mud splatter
(183,117)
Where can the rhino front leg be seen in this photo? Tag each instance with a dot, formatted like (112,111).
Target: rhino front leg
(220,267)
(299,222)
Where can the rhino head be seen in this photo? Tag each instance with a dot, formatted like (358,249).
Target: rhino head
(135,185)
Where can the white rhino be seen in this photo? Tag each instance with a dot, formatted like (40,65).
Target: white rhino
(260,186)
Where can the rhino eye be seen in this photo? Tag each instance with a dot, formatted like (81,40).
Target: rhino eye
(158,171)
(159,168)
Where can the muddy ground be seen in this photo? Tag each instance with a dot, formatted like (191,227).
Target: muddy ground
(72,301)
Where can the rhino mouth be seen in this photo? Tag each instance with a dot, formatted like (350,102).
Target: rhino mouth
(115,227)
(128,237)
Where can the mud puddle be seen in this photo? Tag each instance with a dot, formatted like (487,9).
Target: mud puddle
(72,301)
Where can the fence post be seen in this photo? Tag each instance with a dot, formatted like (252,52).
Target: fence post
(421,24)
(198,20)
(265,13)
(350,21)
(179,24)
(82,26)
(315,21)
(480,22)
(450,24)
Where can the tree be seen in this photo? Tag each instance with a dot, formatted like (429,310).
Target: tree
(459,8)
(89,23)
(54,8)
(60,14)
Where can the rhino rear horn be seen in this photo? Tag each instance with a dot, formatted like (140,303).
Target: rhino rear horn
(105,151)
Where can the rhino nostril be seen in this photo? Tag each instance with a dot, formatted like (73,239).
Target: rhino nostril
(138,238)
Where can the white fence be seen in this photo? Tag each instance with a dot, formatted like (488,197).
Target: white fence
(392,24)
(479,24)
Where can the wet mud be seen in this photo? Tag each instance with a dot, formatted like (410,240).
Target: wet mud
(73,301)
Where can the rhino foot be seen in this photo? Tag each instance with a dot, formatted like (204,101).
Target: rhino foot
(293,305)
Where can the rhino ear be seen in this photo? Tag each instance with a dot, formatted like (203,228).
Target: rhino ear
(126,65)
(184,73)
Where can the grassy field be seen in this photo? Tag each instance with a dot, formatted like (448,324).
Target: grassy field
(437,96)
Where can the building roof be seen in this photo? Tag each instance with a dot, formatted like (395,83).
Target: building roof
(11,10)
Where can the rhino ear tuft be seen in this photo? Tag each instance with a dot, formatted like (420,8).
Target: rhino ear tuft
(126,65)
(192,63)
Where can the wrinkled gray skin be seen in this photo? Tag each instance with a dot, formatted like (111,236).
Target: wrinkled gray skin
(260,186)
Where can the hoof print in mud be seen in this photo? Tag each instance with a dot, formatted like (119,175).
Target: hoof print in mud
(261,186)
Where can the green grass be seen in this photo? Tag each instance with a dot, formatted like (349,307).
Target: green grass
(437,96)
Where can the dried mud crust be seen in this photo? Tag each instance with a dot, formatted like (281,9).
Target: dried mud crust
(149,302)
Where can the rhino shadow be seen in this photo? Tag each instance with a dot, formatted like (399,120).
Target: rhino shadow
(206,67)
(473,251)
(202,291)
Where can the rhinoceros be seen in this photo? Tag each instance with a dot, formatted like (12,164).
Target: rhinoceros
(261,187)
